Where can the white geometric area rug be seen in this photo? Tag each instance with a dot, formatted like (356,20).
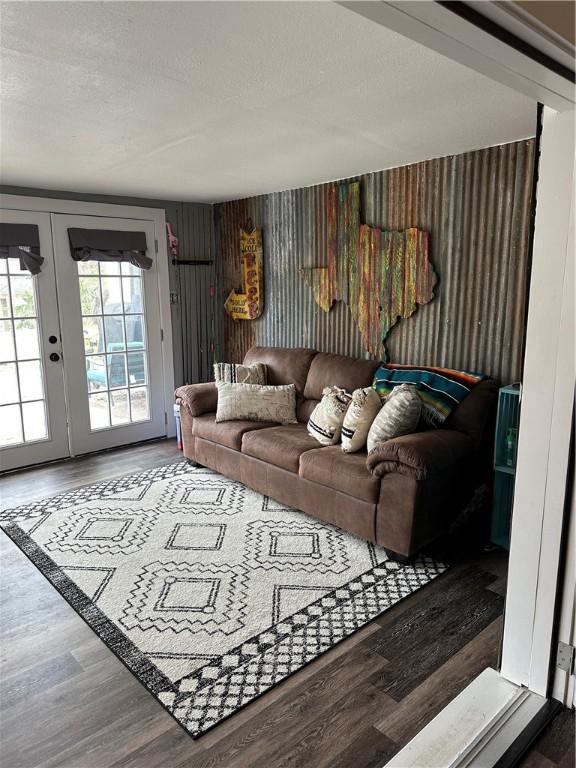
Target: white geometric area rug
(209,592)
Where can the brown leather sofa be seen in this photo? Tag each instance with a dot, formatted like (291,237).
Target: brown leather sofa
(402,496)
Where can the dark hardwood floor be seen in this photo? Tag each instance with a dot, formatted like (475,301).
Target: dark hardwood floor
(554,748)
(67,701)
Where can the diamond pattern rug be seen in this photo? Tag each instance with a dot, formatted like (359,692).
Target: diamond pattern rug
(209,592)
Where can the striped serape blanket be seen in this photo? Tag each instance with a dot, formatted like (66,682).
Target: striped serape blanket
(441,389)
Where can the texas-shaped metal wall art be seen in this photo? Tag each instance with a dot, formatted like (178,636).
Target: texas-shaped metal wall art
(382,275)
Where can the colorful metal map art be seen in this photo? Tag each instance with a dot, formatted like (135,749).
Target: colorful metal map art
(249,303)
(382,275)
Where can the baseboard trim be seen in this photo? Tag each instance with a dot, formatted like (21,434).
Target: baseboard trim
(489,724)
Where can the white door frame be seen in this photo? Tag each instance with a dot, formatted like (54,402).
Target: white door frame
(158,218)
(546,417)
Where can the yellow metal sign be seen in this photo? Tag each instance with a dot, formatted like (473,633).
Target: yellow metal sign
(248,304)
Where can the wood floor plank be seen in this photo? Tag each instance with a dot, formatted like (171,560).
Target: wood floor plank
(173,748)
(535,760)
(434,631)
(456,574)
(47,725)
(326,736)
(423,703)
(569,760)
(45,674)
(370,749)
(556,743)
(117,737)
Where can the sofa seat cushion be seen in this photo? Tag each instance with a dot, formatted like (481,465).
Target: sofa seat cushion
(281,446)
(344,472)
(228,433)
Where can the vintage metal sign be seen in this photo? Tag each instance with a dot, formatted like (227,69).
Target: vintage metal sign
(249,303)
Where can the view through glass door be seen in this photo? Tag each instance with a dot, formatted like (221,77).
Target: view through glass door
(33,424)
(111,340)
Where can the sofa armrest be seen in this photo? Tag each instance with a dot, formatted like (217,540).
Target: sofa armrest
(421,454)
(198,398)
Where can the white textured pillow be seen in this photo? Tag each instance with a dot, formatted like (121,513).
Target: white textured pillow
(362,411)
(399,415)
(233,373)
(325,422)
(254,402)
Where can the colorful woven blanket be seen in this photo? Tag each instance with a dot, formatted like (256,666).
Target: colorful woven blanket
(441,389)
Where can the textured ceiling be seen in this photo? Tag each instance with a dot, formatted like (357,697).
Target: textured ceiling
(217,100)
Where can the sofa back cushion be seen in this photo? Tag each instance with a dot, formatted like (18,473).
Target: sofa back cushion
(329,370)
(304,409)
(476,415)
(284,365)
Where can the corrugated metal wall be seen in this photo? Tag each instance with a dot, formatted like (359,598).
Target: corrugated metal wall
(476,207)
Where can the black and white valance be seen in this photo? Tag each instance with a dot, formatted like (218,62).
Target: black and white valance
(109,245)
(21,241)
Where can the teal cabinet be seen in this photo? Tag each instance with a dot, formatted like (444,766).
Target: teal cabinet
(505,449)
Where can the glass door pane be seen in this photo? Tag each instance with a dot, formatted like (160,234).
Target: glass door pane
(113,324)
(22,390)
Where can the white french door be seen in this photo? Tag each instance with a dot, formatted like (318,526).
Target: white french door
(81,365)
(32,401)
(111,339)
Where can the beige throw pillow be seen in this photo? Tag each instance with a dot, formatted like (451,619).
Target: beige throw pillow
(325,422)
(233,373)
(399,415)
(364,406)
(254,402)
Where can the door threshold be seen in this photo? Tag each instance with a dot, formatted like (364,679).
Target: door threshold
(87,455)
(490,723)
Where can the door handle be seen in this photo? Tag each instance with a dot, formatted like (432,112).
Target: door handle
(54,356)
(52,339)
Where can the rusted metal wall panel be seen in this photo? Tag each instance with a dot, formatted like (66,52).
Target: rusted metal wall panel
(476,207)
